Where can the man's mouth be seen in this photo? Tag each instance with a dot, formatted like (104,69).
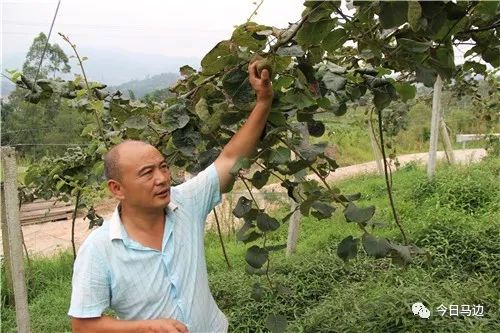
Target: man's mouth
(163,193)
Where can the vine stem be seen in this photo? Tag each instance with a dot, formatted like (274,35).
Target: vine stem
(221,240)
(337,199)
(78,195)
(267,264)
(387,182)
(250,192)
(271,171)
(255,11)
(89,92)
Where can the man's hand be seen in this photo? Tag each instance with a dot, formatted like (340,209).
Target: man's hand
(107,324)
(261,84)
(165,326)
(243,143)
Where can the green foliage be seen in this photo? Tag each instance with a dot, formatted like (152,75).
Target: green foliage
(315,72)
(316,291)
(467,189)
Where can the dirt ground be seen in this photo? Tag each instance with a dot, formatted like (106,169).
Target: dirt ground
(47,239)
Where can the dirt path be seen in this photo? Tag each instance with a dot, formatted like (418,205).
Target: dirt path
(48,238)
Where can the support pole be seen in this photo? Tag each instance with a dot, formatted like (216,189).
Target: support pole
(15,239)
(294,222)
(446,141)
(436,116)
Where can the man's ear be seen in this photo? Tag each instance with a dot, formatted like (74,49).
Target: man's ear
(116,189)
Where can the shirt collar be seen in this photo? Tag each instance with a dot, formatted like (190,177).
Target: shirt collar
(116,226)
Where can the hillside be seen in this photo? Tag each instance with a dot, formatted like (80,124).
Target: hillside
(149,84)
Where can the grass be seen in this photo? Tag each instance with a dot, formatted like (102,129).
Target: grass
(455,218)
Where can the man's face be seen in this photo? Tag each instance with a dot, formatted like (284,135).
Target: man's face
(144,177)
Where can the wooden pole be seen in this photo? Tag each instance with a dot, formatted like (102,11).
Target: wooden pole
(6,253)
(15,243)
(447,143)
(436,116)
(376,151)
(294,223)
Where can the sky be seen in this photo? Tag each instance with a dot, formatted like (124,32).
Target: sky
(186,28)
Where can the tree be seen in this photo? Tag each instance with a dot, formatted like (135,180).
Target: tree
(55,61)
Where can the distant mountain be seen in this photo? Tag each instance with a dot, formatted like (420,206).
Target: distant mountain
(149,84)
(110,66)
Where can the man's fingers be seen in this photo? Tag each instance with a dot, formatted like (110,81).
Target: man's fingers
(181,327)
(252,69)
(264,76)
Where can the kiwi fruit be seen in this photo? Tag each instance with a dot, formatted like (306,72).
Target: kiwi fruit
(264,63)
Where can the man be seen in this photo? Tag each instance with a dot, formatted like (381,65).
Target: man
(148,263)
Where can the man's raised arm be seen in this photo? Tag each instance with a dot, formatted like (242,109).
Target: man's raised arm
(243,143)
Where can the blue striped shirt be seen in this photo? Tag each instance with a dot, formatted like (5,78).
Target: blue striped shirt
(137,282)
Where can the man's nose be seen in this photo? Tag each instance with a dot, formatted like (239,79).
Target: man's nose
(162,177)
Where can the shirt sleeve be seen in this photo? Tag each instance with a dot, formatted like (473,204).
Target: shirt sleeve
(203,191)
(90,294)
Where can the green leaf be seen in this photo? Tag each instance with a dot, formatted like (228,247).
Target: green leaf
(277,119)
(339,109)
(487,9)
(411,45)
(325,210)
(375,247)
(348,248)
(257,291)
(221,56)
(426,75)
(267,223)
(236,85)
(402,253)
(353,213)
(201,110)
(175,117)
(245,35)
(393,13)
(186,70)
(334,81)
(186,139)
(60,184)
(444,61)
(243,206)
(256,256)
(312,33)
(290,51)
(280,155)
(137,122)
(275,247)
(350,197)
(405,90)
(260,178)
(492,55)
(316,128)
(283,82)
(381,99)
(477,67)
(250,237)
(334,40)
(242,163)
(414,14)
(276,323)
(297,99)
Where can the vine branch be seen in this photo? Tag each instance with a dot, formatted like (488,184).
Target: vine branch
(221,240)
(387,182)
